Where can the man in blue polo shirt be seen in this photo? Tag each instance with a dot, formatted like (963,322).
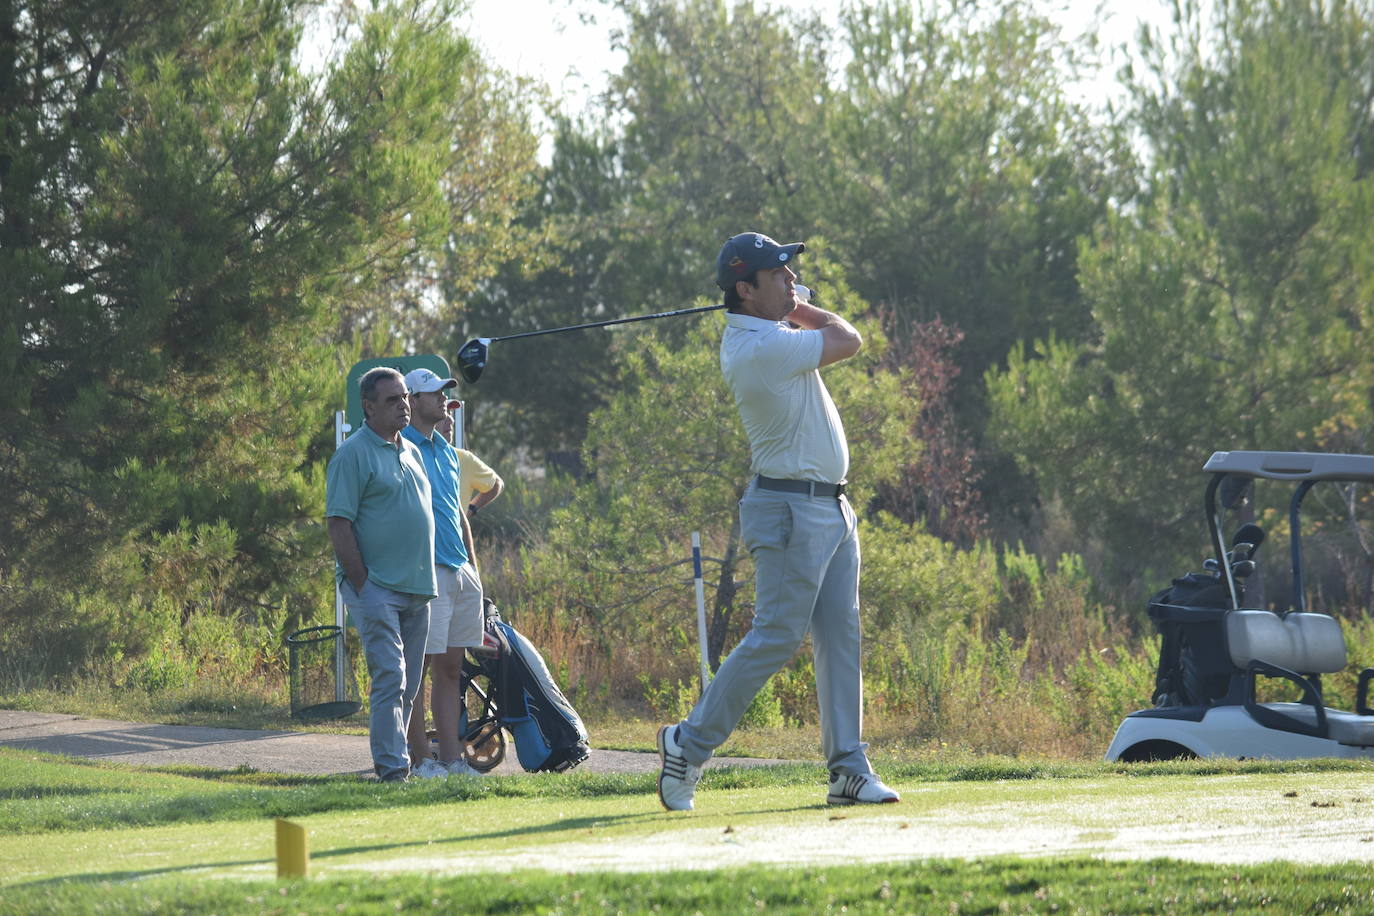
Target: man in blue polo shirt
(377,508)
(455,615)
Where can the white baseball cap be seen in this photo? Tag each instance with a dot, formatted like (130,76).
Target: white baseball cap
(421,381)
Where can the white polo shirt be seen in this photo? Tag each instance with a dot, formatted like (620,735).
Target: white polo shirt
(793,427)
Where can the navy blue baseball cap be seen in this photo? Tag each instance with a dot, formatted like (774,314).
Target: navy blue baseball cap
(751,251)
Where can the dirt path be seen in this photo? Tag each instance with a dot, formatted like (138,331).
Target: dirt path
(142,744)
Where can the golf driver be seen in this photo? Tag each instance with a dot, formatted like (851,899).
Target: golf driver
(472,356)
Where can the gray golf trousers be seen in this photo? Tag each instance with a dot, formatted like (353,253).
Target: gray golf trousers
(806,561)
(393,627)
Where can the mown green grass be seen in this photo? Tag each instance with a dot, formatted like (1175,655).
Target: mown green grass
(83,837)
(984,887)
(43,793)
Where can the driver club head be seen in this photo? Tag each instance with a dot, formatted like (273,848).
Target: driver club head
(472,359)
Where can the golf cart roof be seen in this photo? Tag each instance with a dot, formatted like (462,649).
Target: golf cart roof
(1292,465)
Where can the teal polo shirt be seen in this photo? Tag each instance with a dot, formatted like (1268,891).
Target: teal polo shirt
(441,465)
(383,490)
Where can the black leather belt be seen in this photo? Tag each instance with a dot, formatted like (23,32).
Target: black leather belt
(809,487)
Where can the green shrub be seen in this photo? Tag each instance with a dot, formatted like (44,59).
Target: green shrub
(913,582)
(1104,685)
(669,701)
(1359,650)
(764,710)
(160,671)
(795,689)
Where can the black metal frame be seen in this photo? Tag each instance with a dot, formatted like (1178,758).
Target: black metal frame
(1272,718)
(479,733)
(1362,693)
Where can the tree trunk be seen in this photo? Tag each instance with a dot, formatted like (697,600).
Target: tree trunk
(724,605)
(9,104)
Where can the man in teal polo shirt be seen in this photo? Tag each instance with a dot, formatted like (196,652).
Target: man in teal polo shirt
(377,507)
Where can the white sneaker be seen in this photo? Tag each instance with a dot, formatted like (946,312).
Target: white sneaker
(429,768)
(677,781)
(861,788)
(461,767)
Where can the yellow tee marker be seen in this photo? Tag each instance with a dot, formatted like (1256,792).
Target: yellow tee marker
(293,851)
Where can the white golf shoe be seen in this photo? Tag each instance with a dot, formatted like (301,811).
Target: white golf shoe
(429,768)
(677,781)
(859,788)
(461,767)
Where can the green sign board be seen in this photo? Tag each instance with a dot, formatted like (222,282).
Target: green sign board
(353,410)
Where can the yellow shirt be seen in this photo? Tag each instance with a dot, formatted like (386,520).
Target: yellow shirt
(473,476)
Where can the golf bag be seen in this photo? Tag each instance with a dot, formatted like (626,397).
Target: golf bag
(525,701)
(1194,668)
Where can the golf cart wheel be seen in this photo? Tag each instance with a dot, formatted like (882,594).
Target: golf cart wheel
(486,747)
(1155,751)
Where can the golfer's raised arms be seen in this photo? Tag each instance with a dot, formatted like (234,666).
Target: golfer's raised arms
(839,338)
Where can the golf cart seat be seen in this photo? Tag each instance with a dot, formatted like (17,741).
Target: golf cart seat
(1310,643)
(1298,647)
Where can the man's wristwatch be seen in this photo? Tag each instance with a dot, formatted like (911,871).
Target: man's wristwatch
(472,508)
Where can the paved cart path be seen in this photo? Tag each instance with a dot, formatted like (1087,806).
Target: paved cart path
(142,744)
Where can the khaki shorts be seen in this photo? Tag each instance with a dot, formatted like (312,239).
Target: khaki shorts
(455,616)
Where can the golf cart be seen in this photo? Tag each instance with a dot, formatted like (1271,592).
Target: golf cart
(1215,650)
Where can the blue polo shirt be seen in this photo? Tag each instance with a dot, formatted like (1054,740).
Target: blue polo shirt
(441,466)
(383,490)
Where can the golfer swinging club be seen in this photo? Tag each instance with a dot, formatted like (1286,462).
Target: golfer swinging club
(795,521)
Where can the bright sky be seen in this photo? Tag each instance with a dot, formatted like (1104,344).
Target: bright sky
(565,44)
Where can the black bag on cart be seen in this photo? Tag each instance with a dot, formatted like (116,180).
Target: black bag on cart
(1194,667)
(549,734)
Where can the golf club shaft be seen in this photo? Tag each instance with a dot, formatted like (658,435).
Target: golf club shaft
(602,324)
